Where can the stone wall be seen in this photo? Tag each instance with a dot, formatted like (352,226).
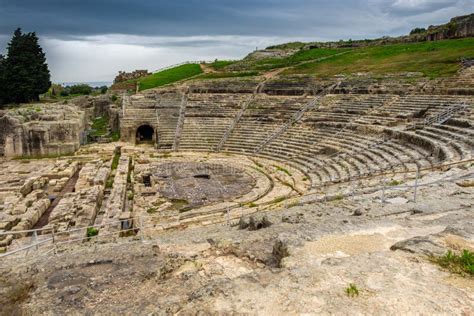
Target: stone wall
(126,76)
(458,27)
(80,208)
(41,130)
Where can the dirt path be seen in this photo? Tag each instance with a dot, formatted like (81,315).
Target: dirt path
(207,69)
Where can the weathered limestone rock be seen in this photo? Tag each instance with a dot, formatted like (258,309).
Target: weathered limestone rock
(116,202)
(40,130)
(93,173)
(125,76)
(424,245)
(29,218)
(77,209)
(102,175)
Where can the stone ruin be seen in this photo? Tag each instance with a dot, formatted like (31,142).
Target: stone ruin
(125,76)
(41,130)
(215,151)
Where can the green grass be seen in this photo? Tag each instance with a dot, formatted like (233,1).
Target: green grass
(277,200)
(219,75)
(115,161)
(91,232)
(291,45)
(151,210)
(115,136)
(394,183)
(109,184)
(301,56)
(221,64)
(462,263)
(169,76)
(100,126)
(352,290)
(283,170)
(338,197)
(178,204)
(432,59)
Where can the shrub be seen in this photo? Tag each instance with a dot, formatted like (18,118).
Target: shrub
(110,183)
(417,30)
(394,183)
(91,232)
(103,89)
(82,89)
(151,210)
(352,290)
(462,263)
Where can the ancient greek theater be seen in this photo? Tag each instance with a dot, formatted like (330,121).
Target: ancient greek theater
(306,178)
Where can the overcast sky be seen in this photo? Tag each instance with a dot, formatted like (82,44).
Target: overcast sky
(91,40)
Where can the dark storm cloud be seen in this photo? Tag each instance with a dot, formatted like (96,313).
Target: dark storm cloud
(63,18)
(90,40)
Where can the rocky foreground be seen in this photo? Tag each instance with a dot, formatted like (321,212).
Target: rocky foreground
(302,264)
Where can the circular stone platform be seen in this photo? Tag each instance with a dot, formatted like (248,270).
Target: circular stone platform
(199,183)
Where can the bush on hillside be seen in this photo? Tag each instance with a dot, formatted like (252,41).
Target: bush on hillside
(418,30)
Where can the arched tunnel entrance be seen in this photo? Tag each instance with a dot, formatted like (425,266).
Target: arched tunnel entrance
(145,134)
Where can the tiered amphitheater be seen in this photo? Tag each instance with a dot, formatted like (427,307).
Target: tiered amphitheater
(211,152)
(328,135)
(204,162)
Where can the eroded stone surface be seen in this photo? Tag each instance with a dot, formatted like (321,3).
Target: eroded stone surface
(290,267)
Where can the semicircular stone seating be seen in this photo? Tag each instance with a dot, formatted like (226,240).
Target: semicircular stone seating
(340,137)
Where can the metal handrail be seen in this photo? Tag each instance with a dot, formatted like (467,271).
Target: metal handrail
(295,118)
(55,234)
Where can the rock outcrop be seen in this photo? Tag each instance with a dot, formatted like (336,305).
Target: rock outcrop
(125,76)
(41,130)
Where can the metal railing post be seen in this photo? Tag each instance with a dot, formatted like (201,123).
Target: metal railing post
(383,191)
(35,239)
(53,236)
(353,190)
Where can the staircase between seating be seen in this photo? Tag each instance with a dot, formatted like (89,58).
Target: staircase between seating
(294,119)
(179,125)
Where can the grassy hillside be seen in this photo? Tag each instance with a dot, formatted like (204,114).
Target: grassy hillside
(299,57)
(433,59)
(169,76)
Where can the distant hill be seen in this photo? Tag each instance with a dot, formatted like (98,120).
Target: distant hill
(432,52)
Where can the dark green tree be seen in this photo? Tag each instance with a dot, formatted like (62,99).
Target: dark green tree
(2,80)
(26,74)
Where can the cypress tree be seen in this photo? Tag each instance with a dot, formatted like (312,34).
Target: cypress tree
(26,74)
(2,80)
